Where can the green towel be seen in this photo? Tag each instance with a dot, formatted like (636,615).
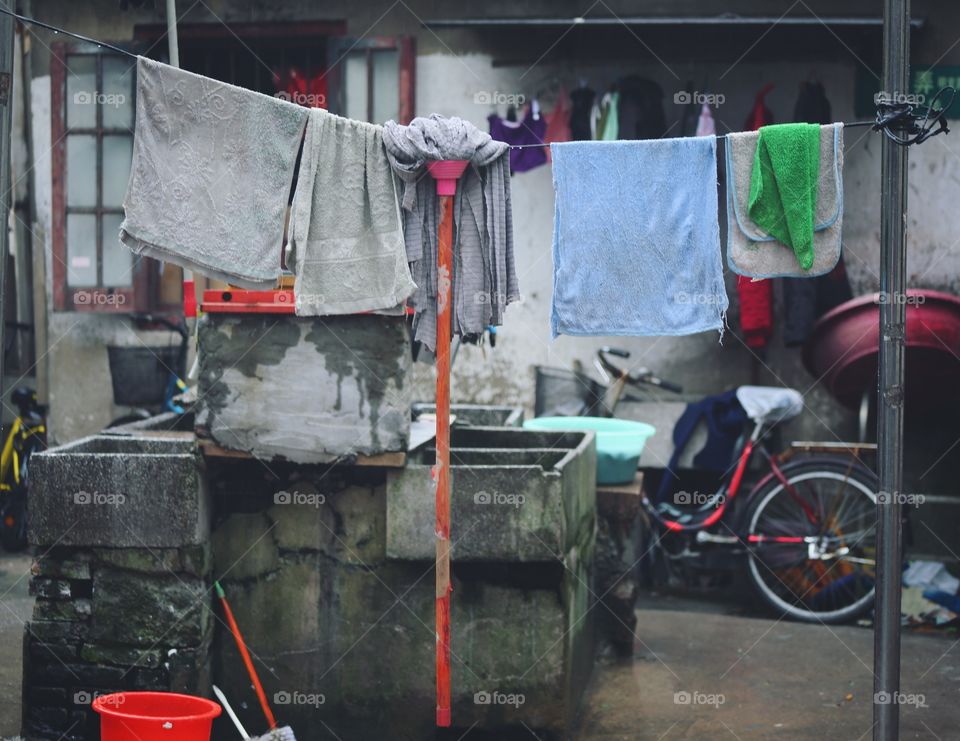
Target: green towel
(783,186)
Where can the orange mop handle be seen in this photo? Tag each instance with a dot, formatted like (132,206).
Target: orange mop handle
(444,275)
(261,695)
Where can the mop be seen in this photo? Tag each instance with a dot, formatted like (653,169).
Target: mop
(281,734)
(275,734)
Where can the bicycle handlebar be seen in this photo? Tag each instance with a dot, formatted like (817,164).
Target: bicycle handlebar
(641,375)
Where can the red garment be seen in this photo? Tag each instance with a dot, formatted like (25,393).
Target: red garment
(756,297)
(296,87)
(760,115)
(756,310)
(558,122)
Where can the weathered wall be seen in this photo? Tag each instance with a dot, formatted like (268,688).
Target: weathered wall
(453,66)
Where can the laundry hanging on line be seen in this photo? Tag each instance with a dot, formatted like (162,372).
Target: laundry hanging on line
(484,279)
(211,171)
(346,243)
(530,130)
(751,250)
(636,243)
(783,186)
(806,300)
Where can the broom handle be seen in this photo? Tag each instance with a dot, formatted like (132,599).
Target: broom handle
(268,713)
(442,470)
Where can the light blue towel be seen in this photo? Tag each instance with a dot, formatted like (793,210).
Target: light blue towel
(636,238)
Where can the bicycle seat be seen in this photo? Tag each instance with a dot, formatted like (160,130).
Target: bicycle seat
(770,404)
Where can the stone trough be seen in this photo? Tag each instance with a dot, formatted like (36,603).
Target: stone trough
(121,578)
(329,572)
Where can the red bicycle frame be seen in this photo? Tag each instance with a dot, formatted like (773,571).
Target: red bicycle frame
(736,481)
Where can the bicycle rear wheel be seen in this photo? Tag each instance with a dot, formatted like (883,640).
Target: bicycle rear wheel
(812,543)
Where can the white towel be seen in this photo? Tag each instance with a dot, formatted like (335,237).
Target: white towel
(346,237)
(211,172)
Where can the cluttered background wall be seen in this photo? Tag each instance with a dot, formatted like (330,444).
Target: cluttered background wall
(472,73)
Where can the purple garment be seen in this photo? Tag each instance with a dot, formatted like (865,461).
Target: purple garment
(528,131)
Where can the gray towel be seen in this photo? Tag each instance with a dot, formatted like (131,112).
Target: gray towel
(212,168)
(754,254)
(346,237)
(484,277)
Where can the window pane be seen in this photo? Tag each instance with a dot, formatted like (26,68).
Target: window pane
(81,250)
(386,86)
(81,91)
(81,170)
(355,86)
(117,259)
(117,98)
(117,151)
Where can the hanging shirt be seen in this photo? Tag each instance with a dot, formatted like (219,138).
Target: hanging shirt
(609,127)
(558,122)
(530,130)
(705,124)
(580,114)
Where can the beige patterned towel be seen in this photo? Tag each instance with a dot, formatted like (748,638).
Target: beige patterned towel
(346,237)
(211,174)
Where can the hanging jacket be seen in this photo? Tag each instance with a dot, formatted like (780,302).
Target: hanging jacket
(582,99)
(640,109)
(725,419)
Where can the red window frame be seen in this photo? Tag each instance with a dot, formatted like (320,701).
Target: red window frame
(95,299)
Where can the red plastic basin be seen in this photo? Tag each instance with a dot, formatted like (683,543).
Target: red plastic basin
(155,716)
(843,348)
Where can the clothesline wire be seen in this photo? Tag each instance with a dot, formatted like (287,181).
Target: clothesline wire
(65,32)
(903,117)
(721,136)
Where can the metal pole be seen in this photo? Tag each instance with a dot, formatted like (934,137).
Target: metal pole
(172,43)
(7,29)
(893,238)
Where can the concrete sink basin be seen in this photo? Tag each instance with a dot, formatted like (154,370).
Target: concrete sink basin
(517,496)
(118,491)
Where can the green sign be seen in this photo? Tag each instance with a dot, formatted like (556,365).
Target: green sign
(924,84)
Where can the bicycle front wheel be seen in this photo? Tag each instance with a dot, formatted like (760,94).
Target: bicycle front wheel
(812,543)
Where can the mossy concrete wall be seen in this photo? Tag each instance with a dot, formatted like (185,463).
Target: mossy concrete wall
(343,636)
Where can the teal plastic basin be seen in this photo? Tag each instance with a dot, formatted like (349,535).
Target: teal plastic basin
(619,442)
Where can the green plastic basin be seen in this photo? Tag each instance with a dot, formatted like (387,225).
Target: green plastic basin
(619,442)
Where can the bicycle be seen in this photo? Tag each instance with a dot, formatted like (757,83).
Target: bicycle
(27,435)
(805,531)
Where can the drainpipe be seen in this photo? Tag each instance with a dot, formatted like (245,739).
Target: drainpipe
(893,238)
(7,25)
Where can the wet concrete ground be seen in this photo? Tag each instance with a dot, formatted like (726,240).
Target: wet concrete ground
(702,675)
(704,667)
